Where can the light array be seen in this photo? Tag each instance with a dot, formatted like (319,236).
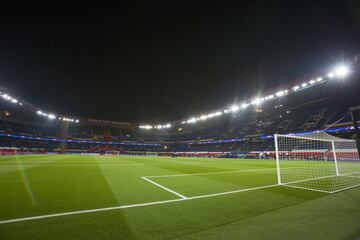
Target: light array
(8,98)
(168,125)
(52,116)
(339,72)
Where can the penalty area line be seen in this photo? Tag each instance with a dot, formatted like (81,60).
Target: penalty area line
(165,188)
(15,220)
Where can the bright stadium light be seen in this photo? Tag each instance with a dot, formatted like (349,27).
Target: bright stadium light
(295,88)
(319,79)
(38,112)
(143,126)
(256,101)
(341,71)
(312,82)
(330,75)
(244,105)
(203,117)
(227,111)
(51,116)
(191,120)
(234,108)
(219,113)
(304,84)
(5,96)
(280,93)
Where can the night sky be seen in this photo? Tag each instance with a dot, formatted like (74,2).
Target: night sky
(157,61)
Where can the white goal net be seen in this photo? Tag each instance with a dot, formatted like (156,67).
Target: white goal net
(317,161)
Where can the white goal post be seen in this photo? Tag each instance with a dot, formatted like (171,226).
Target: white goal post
(317,161)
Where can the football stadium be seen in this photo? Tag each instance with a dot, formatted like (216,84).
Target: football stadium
(279,163)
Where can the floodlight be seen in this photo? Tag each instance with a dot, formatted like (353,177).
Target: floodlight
(39,112)
(341,71)
(312,82)
(219,113)
(280,93)
(191,120)
(234,108)
(256,101)
(168,125)
(203,117)
(330,75)
(295,88)
(141,126)
(319,79)
(244,105)
(51,116)
(5,96)
(304,84)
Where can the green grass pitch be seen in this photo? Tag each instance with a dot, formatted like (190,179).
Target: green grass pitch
(164,198)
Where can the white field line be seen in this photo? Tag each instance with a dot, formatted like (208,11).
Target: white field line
(311,189)
(165,188)
(209,173)
(310,179)
(346,188)
(349,176)
(318,190)
(317,178)
(128,206)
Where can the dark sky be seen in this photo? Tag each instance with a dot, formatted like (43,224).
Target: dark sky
(152,60)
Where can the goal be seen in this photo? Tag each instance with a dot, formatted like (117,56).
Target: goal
(151,153)
(111,153)
(317,161)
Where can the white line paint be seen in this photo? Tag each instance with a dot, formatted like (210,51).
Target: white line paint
(128,206)
(210,173)
(315,190)
(346,188)
(310,179)
(165,188)
(235,191)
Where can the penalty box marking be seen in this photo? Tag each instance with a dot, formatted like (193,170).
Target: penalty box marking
(209,173)
(15,220)
(147,178)
(183,198)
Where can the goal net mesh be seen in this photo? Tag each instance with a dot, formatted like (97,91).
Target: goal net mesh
(317,161)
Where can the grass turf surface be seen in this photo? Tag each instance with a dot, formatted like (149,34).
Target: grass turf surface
(46,184)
